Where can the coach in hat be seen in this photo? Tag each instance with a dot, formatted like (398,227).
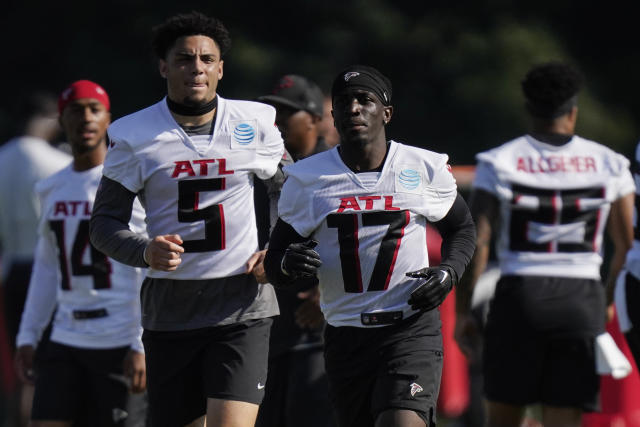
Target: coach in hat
(296,362)
(298,102)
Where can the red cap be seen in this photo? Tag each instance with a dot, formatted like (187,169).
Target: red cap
(83,89)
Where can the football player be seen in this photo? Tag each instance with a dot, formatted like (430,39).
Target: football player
(356,216)
(192,158)
(548,194)
(95,352)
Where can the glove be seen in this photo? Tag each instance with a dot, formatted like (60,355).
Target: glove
(300,260)
(432,292)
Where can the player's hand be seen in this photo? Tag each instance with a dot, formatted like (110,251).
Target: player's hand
(467,335)
(300,260)
(255,265)
(308,314)
(163,252)
(432,292)
(134,369)
(23,363)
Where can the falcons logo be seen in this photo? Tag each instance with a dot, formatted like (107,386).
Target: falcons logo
(415,388)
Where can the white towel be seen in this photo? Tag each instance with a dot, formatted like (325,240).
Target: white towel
(609,359)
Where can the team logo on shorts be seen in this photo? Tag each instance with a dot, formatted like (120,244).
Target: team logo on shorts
(415,388)
(409,180)
(243,133)
(350,75)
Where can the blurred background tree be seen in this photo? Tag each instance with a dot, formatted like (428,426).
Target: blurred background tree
(455,66)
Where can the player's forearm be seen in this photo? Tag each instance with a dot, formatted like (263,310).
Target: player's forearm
(109,229)
(458,238)
(620,228)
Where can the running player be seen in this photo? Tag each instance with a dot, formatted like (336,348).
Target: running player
(96,336)
(548,193)
(366,204)
(192,158)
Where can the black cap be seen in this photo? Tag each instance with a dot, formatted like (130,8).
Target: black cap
(296,92)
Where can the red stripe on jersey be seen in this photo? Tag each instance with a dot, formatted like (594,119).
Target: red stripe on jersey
(594,243)
(397,249)
(222,234)
(356,253)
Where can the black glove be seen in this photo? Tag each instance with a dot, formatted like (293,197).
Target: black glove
(300,260)
(430,294)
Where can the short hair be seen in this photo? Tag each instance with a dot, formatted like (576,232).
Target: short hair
(550,89)
(41,103)
(189,24)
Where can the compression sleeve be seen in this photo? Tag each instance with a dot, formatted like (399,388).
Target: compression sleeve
(458,233)
(109,226)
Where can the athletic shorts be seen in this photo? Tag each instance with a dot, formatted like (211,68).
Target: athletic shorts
(184,368)
(371,370)
(73,383)
(539,341)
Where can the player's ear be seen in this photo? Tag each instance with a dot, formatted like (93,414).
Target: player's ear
(221,70)
(388,112)
(162,67)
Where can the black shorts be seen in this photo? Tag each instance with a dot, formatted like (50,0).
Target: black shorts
(184,368)
(371,370)
(539,341)
(73,383)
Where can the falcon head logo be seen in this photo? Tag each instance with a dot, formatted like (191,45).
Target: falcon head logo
(415,388)
(350,75)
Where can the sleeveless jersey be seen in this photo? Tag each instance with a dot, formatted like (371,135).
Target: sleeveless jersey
(371,229)
(554,203)
(201,191)
(69,271)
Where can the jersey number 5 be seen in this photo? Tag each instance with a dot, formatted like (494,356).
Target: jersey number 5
(347,225)
(213,216)
(100,267)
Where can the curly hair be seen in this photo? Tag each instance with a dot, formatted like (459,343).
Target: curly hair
(550,89)
(189,24)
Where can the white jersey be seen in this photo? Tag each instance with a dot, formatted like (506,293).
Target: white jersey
(371,227)
(554,203)
(199,187)
(23,162)
(69,271)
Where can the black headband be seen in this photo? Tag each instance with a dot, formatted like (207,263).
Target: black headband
(363,77)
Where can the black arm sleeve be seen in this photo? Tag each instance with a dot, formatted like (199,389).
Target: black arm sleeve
(282,236)
(458,233)
(109,227)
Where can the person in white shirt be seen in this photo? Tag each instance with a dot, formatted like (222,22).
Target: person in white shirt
(548,194)
(192,158)
(356,216)
(96,334)
(24,160)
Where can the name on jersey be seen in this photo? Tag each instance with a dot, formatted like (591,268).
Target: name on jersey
(72,208)
(199,167)
(367,203)
(553,164)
